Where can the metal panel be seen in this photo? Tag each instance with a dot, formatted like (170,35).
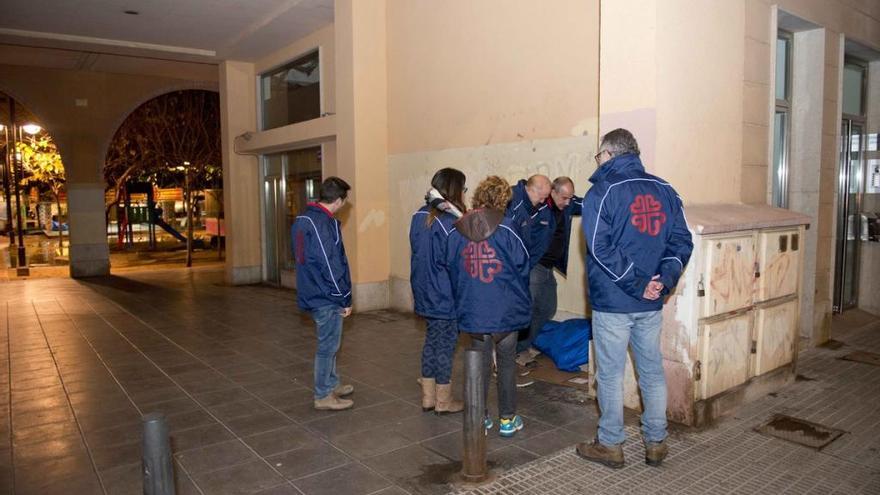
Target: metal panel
(778,263)
(728,274)
(775,336)
(725,354)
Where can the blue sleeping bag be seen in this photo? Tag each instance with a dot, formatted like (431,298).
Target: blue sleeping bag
(567,343)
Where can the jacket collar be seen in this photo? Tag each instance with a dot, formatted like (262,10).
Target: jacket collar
(321,208)
(625,164)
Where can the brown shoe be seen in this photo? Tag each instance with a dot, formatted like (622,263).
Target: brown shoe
(655,452)
(445,403)
(609,456)
(429,393)
(333,403)
(343,390)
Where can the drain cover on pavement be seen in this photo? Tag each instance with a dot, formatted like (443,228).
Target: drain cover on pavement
(799,431)
(863,357)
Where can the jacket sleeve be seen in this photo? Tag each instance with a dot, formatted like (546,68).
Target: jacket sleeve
(678,248)
(344,276)
(439,240)
(576,206)
(597,227)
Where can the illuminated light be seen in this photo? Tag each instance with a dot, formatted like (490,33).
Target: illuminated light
(31,128)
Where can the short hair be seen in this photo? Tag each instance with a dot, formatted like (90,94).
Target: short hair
(619,142)
(561,181)
(333,188)
(493,193)
(533,180)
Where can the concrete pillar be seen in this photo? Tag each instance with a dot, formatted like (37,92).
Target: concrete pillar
(805,159)
(241,187)
(362,145)
(89,254)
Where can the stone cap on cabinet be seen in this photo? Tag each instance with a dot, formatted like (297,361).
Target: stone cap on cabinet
(721,218)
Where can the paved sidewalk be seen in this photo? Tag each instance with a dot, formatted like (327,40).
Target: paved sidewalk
(231,369)
(730,457)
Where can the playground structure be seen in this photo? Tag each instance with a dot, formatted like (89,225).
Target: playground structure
(141,208)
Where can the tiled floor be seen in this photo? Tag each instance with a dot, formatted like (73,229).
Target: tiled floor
(731,457)
(231,370)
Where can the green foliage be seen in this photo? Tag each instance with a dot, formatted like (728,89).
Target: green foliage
(41,164)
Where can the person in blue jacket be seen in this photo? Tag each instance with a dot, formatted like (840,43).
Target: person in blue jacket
(432,293)
(488,266)
(323,286)
(527,198)
(638,244)
(550,234)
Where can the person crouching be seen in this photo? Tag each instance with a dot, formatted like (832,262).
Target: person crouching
(489,270)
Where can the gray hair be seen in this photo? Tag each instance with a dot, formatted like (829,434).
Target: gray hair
(561,181)
(619,142)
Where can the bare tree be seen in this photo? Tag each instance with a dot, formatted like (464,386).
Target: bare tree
(173,133)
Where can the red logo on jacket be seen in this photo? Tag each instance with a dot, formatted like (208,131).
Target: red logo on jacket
(647,214)
(480,261)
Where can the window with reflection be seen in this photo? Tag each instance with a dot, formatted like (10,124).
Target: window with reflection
(782,120)
(292,93)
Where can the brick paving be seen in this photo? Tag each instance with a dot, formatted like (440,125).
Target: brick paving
(231,370)
(730,457)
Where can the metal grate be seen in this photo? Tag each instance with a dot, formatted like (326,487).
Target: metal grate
(799,431)
(863,357)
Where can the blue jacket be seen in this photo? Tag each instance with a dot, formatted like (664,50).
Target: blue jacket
(521,211)
(635,228)
(432,292)
(543,225)
(489,269)
(322,274)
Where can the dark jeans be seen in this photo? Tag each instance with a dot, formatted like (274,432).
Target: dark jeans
(440,339)
(542,287)
(505,352)
(328,323)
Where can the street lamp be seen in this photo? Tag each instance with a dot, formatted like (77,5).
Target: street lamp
(22,269)
(7,158)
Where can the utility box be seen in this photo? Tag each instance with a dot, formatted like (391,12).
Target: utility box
(730,328)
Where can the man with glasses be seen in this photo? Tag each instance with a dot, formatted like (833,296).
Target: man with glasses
(638,243)
(549,239)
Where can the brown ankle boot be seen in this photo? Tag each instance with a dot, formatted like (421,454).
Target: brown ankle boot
(611,456)
(429,393)
(445,402)
(655,452)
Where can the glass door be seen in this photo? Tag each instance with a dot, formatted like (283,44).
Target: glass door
(290,181)
(275,219)
(849,217)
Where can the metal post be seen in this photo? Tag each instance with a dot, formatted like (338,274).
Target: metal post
(21,268)
(157,469)
(6,190)
(474,469)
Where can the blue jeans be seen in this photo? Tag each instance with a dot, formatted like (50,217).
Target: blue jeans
(439,349)
(542,287)
(612,333)
(328,323)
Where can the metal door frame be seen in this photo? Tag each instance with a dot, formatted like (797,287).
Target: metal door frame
(845,209)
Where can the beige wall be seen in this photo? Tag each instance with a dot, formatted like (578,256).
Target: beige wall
(83,133)
(671,71)
(490,87)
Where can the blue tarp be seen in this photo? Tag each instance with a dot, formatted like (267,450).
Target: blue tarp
(567,343)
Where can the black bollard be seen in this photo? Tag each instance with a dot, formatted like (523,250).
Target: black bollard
(474,468)
(157,467)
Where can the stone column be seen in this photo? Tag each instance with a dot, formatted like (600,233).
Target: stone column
(362,145)
(241,187)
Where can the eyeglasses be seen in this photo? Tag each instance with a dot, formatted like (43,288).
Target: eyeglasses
(464,190)
(597,155)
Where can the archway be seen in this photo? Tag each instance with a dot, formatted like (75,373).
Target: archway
(163,182)
(33,197)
